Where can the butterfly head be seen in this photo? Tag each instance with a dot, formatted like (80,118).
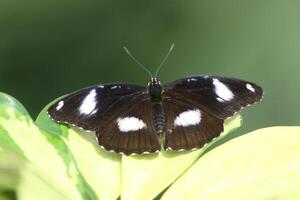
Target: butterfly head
(155,89)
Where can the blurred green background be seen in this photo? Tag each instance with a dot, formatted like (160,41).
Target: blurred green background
(50,48)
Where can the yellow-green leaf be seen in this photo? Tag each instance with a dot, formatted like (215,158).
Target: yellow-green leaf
(145,176)
(100,168)
(47,153)
(31,186)
(10,165)
(264,164)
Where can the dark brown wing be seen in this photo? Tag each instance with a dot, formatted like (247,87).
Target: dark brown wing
(88,107)
(120,114)
(130,130)
(219,96)
(187,126)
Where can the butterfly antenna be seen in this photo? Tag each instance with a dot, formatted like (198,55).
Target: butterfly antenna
(138,62)
(164,60)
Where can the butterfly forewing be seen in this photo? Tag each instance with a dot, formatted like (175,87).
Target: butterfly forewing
(87,107)
(219,96)
(120,114)
(195,108)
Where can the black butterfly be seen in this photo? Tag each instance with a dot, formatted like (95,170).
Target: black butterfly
(131,119)
(186,113)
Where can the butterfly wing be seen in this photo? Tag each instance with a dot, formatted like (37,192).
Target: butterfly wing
(120,114)
(195,108)
(130,130)
(188,126)
(219,96)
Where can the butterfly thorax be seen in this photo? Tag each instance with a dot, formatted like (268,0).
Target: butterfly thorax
(155,90)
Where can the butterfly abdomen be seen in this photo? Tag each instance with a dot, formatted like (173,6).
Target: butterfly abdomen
(158,117)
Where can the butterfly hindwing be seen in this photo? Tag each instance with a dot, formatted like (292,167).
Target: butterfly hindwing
(120,114)
(187,126)
(130,131)
(219,96)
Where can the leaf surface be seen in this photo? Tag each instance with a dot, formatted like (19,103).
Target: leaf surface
(263,164)
(47,153)
(100,168)
(145,176)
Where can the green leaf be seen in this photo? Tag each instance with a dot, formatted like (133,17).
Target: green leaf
(10,101)
(145,176)
(7,195)
(47,153)
(32,186)
(7,101)
(264,164)
(10,165)
(100,168)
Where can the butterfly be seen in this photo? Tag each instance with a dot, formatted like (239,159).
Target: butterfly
(181,115)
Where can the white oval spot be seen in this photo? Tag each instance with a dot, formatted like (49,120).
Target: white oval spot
(127,124)
(222,90)
(250,87)
(60,105)
(188,118)
(89,103)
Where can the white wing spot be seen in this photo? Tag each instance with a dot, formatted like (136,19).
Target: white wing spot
(250,87)
(60,105)
(191,80)
(222,90)
(115,87)
(220,99)
(89,103)
(188,118)
(127,124)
